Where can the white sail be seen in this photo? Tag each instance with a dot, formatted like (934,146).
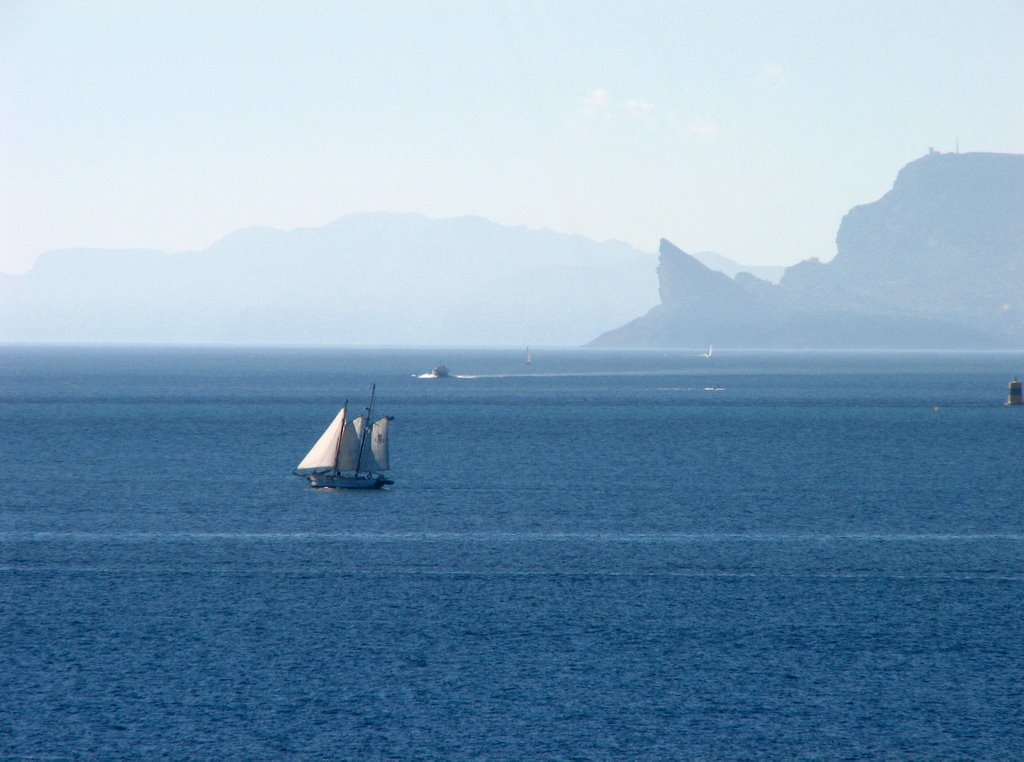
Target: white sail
(348,453)
(375,454)
(326,448)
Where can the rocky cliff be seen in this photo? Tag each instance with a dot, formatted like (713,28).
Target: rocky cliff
(938,262)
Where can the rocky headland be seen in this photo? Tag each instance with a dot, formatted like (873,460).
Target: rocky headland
(936,263)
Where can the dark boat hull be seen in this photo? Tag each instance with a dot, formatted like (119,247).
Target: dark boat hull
(337,481)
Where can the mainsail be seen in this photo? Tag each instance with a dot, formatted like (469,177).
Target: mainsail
(375,457)
(348,452)
(325,451)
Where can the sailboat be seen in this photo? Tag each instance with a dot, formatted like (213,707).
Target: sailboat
(529,360)
(710,351)
(342,457)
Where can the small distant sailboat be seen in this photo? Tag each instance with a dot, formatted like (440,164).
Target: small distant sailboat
(529,359)
(710,351)
(342,458)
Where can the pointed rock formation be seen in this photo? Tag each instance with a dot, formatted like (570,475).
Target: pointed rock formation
(938,262)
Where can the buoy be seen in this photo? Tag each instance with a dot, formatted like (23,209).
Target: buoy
(1013,396)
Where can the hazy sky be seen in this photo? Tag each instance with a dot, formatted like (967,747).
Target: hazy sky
(744,128)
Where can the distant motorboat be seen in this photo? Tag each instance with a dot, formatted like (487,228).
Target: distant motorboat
(715,388)
(441,371)
(343,459)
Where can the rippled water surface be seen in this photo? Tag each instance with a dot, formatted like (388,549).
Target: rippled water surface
(600,555)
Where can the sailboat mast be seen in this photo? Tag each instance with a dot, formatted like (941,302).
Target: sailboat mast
(341,436)
(366,428)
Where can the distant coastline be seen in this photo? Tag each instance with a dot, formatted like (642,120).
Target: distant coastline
(936,263)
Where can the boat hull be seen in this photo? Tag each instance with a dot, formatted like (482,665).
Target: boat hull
(337,481)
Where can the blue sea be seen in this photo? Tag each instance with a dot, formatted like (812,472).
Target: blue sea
(600,555)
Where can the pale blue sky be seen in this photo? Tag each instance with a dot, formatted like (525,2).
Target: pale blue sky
(744,128)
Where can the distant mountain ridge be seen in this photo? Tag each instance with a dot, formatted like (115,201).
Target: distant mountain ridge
(367,279)
(937,262)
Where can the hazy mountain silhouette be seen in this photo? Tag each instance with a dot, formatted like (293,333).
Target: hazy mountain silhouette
(382,279)
(715,261)
(938,262)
